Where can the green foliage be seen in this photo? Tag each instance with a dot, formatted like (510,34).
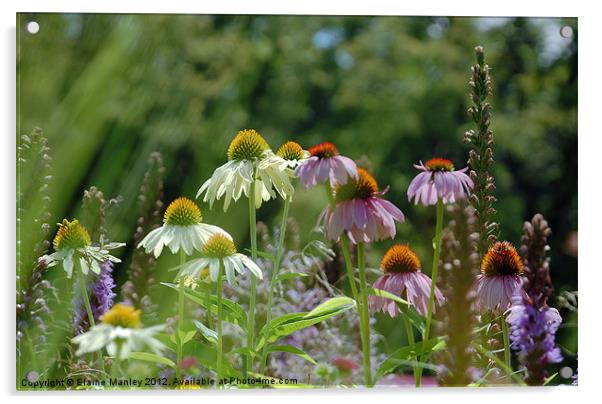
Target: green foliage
(109,90)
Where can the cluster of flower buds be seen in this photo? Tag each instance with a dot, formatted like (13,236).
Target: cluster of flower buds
(481,155)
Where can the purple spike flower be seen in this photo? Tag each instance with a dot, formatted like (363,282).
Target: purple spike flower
(101,299)
(533,323)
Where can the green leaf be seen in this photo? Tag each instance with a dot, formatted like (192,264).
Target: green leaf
(290,275)
(185,336)
(500,363)
(549,379)
(206,332)
(406,355)
(232,312)
(293,350)
(150,357)
(266,255)
(289,323)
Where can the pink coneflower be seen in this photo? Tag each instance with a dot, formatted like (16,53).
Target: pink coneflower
(500,278)
(439,180)
(402,272)
(325,164)
(361,212)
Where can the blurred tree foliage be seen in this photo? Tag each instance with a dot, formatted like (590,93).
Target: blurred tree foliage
(389,91)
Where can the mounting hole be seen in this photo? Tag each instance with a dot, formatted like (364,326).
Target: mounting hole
(566,31)
(33,27)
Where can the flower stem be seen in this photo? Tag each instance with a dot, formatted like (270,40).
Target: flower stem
(86,298)
(507,356)
(253,292)
(219,322)
(429,314)
(116,365)
(180,331)
(276,270)
(410,333)
(346,249)
(365,316)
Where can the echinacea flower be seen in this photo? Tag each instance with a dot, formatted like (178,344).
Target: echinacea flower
(439,180)
(220,247)
(500,278)
(361,212)
(182,229)
(73,247)
(325,164)
(249,159)
(120,333)
(402,273)
(292,153)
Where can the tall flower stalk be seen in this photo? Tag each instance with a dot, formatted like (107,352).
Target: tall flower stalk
(434,274)
(459,268)
(438,183)
(481,155)
(358,213)
(253,291)
(365,316)
(220,336)
(532,321)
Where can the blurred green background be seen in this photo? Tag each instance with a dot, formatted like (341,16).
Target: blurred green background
(109,89)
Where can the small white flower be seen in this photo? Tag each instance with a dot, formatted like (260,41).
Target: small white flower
(293,154)
(73,248)
(220,248)
(120,334)
(249,159)
(182,229)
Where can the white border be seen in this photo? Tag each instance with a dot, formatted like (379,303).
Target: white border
(589,166)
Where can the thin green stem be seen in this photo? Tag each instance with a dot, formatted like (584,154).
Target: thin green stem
(411,341)
(86,298)
(275,271)
(365,317)
(253,291)
(116,365)
(220,347)
(208,305)
(429,314)
(180,331)
(346,249)
(507,356)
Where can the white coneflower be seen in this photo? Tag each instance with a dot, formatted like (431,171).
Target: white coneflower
(73,248)
(220,247)
(293,154)
(120,333)
(182,229)
(249,160)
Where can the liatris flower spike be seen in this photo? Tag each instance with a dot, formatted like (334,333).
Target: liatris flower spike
(402,272)
(220,247)
(249,159)
(120,333)
(500,278)
(73,247)
(325,164)
(182,229)
(439,180)
(361,212)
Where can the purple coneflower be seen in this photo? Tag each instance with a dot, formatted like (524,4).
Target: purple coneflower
(361,212)
(325,164)
(500,278)
(402,272)
(439,180)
